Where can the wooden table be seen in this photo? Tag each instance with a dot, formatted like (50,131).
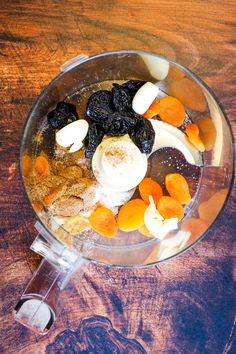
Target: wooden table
(183,306)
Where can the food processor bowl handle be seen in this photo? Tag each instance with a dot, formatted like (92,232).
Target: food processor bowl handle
(39,306)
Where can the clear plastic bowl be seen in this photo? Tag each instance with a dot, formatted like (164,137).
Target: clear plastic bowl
(126,249)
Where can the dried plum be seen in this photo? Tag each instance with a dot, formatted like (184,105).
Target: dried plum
(119,124)
(100,106)
(121,98)
(133,86)
(64,113)
(111,113)
(143,135)
(93,139)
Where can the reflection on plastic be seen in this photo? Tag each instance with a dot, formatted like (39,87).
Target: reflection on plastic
(209,209)
(157,67)
(189,93)
(191,229)
(71,63)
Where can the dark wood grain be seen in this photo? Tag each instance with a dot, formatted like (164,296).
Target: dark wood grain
(183,306)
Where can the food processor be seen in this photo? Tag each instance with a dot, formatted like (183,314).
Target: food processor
(64,254)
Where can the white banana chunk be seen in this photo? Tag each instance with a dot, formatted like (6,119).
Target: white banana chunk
(169,136)
(144,97)
(156,224)
(178,240)
(73,135)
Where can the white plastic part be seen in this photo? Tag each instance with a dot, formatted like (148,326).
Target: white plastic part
(144,97)
(169,136)
(37,311)
(39,305)
(118,164)
(71,63)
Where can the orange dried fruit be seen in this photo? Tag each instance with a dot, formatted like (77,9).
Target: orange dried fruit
(26,165)
(50,198)
(103,221)
(177,187)
(207,132)
(171,111)
(131,215)
(192,132)
(153,110)
(169,208)
(209,209)
(196,226)
(189,93)
(37,206)
(41,166)
(147,188)
(175,73)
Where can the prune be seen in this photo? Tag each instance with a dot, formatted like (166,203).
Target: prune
(93,139)
(133,86)
(100,106)
(64,113)
(119,124)
(143,135)
(121,98)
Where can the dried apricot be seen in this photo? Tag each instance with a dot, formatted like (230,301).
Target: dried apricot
(196,226)
(131,215)
(37,206)
(171,111)
(192,132)
(189,93)
(175,73)
(26,165)
(41,166)
(153,110)
(169,208)
(207,132)
(177,187)
(147,188)
(209,209)
(103,221)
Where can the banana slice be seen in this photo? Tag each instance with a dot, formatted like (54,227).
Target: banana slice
(169,136)
(156,224)
(144,97)
(72,135)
